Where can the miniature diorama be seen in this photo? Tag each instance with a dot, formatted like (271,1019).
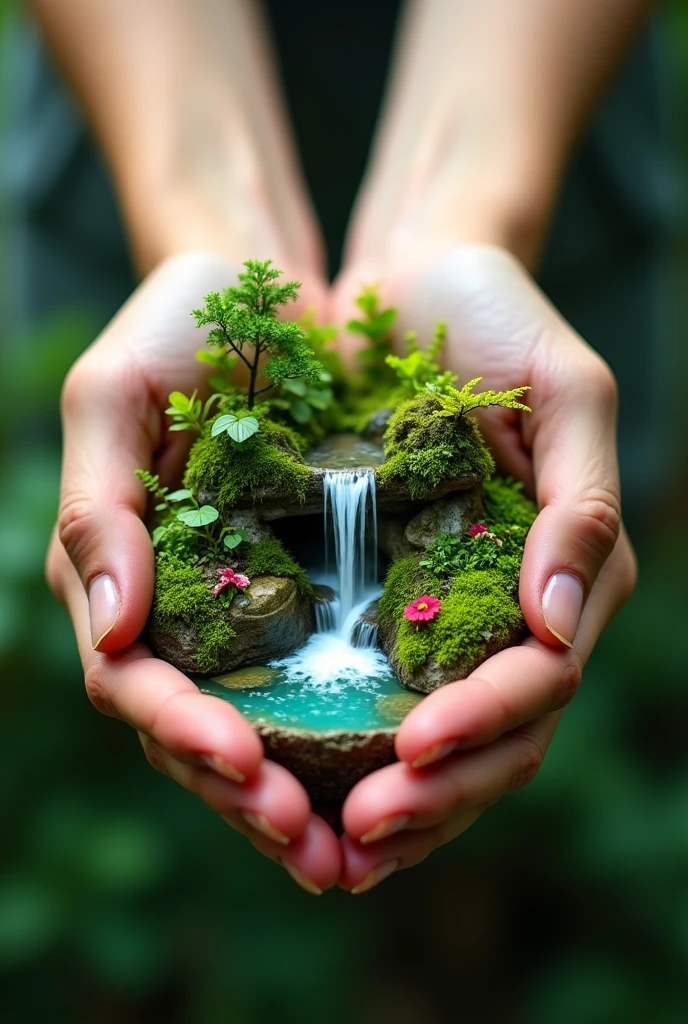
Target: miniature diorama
(340,546)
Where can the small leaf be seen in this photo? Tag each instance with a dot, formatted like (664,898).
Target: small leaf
(159,508)
(295,385)
(202,516)
(242,429)
(233,540)
(319,399)
(301,411)
(158,533)
(179,401)
(182,426)
(180,495)
(223,423)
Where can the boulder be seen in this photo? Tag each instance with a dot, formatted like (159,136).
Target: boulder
(449,515)
(270,620)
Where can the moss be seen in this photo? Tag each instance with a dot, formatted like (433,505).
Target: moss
(269,558)
(183,595)
(506,504)
(271,459)
(425,448)
(478,609)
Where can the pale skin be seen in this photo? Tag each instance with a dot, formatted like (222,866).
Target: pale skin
(475,135)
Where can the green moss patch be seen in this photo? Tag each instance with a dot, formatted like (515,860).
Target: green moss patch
(271,459)
(269,558)
(506,504)
(477,611)
(424,447)
(182,594)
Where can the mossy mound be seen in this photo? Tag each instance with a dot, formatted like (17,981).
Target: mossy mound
(200,633)
(479,614)
(269,462)
(424,447)
(185,611)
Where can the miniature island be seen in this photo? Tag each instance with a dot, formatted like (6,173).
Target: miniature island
(340,545)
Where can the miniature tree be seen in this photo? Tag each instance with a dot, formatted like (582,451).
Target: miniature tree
(244,322)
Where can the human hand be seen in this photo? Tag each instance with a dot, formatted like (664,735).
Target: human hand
(471,741)
(100,565)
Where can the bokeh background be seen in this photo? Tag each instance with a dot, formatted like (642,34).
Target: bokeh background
(122,898)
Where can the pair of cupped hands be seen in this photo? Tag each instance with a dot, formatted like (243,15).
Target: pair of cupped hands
(465,745)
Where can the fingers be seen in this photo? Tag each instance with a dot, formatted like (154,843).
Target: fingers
(577,481)
(516,685)
(155,699)
(400,797)
(273,814)
(507,691)
(364,867)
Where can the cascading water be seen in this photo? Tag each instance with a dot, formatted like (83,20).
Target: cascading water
(344,647)
(351,518)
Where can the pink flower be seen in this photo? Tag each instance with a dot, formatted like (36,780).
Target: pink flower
(229,578)
(476,529)
(423,609)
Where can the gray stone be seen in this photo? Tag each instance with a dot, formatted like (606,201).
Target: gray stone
(272,619)
(450,515)
(391,536)
(253,528)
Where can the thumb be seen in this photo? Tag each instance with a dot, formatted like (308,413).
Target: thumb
(108,433)
(577,484)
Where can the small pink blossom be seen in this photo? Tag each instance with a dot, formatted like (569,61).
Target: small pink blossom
(476,529)
(229,578)
(423,609)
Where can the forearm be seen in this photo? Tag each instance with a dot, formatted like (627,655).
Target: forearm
(485,103)
(181,97)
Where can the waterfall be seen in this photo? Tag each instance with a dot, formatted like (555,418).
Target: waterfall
(351,518)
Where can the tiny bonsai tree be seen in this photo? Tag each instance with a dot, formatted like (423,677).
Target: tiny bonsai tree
(244,322)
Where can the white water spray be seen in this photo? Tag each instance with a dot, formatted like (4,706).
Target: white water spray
(344,647)
(351,518)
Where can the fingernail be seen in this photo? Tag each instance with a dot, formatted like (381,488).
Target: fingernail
(261,824)
(103,607)
(386,827)
(303,880)
(223,767)
(235,822)
(376,876)
(562,604)
(434,753)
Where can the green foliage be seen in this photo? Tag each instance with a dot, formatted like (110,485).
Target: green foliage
(459,402)
(269,558)
(270,459)
(419,368)
(222,364)
(505,503)
(188,412)
(191,530)
(424,447)
(244,322)
(376,327)
(477,610)
(302,401)
(238,428)
(183,594)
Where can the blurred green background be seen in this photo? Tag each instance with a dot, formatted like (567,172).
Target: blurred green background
(123,899)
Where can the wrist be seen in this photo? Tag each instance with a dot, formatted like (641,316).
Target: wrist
(496,189)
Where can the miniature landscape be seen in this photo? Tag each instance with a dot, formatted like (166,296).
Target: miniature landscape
(340,545)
